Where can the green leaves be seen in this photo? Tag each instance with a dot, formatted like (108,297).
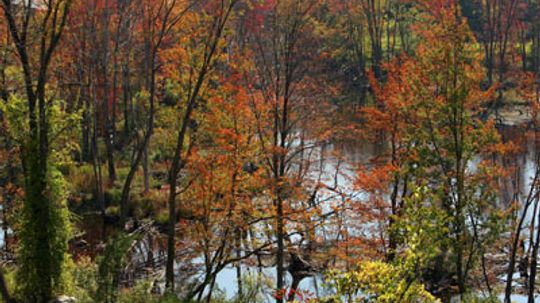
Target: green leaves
(33,252)
(422,228)
(111,265)
(63,126)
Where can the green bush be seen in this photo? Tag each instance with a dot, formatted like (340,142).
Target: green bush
(162,217)
(84,275)
(480,299)
(145,205)
(138,294)
(112,211)
(141,206)
(113,195)
(82,179)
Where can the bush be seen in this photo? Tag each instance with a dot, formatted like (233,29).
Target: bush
(113,195)
(82,182)
(480,299)
(378,282)
(145,205)
(162,217)
(82,179)
(110,266)
(84,275)
(138,294)
(112,211)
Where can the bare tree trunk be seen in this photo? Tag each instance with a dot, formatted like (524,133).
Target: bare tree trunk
(532,196)
(146,172)
(127,101)
(107,122)
(533,265)
(239,264)
(98,176)
(280,252)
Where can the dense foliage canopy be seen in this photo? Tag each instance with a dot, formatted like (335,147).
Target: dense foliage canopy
(269,150)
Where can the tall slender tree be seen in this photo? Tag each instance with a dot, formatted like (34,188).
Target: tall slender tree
(36,29)
(219,12)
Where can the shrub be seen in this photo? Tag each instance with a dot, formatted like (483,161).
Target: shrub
(84,275)
(378,282)
(113,195)
(162,217)
(112,211)
(82,179)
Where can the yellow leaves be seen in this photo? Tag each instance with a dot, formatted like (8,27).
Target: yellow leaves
(379,282)
(172,58)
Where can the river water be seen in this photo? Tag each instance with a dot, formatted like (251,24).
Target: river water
(353,153)
(361,153)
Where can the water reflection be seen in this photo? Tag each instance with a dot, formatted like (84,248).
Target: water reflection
(351,154)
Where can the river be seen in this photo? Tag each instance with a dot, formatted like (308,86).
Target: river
(354,153)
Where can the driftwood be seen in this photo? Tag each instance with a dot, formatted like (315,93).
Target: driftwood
(300,268)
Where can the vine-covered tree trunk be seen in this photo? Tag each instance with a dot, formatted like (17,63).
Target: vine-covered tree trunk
(43,241)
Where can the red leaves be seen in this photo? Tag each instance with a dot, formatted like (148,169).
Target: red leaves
(301,296)
(257,13)
(377,179)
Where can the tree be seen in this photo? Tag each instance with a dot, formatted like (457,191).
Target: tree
(43,237)
(429,111)
(196,81)
(525,202)
(365,35)
(495,23)
(284,88)
(391,114)
(168,15)
(420,228)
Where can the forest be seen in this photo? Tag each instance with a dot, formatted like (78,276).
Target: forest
(254,151)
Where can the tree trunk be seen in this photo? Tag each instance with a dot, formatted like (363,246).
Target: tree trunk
(146,172)
(178,161)
(515,241)
(124,201)
(533,265)
(239,264)
(280,252)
